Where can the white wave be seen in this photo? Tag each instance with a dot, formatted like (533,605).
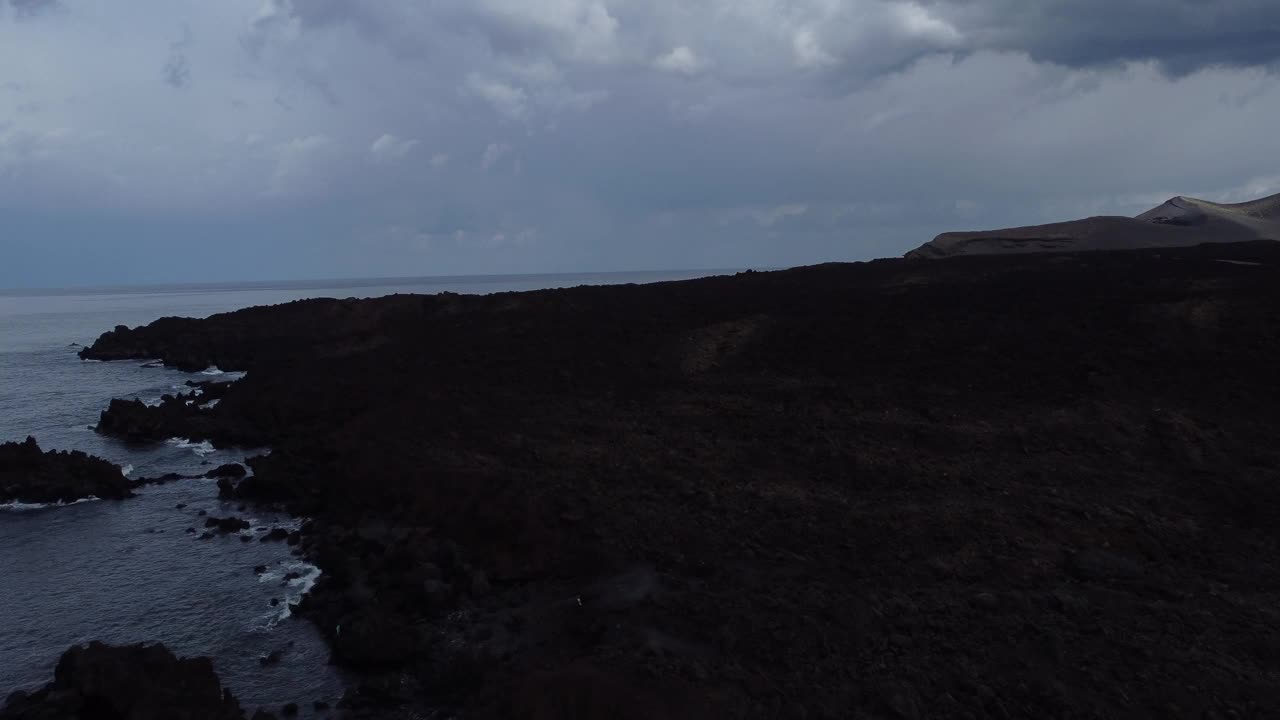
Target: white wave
(16,506)
(211,404)
(126,470)
(231,376)
(153,402)
(201,448)
(295,589)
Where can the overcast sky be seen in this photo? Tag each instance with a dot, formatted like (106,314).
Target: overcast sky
(184,140)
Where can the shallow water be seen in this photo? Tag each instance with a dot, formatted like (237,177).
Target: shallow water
(129,571)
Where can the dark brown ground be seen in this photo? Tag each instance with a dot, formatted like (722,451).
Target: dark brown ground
(1039,486)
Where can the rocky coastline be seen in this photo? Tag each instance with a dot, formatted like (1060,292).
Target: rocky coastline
(1006,486)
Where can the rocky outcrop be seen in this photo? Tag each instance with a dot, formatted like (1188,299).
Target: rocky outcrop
(136,682)
(227,524)
(135,421)
(30,475)
(1180,222)
(230,470)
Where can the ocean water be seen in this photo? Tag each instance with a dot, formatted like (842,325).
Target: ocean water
(129,571)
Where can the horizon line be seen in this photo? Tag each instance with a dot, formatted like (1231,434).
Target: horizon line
(346,281)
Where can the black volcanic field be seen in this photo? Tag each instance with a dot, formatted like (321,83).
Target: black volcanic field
(1008,486)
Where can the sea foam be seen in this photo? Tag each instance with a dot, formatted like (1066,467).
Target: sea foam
(16,506)
(201,448)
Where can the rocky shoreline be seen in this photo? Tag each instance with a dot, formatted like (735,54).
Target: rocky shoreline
(991,486)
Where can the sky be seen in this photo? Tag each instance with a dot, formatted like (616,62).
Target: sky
(190,140)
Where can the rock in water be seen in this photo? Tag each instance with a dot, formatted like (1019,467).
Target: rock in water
(136,682)
(230,470)
(30,475)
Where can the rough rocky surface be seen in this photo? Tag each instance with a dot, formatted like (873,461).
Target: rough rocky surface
(1007,486)
(31,475)
(137,682)
(1179,222)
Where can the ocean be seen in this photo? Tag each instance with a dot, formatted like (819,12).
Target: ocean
(129,571)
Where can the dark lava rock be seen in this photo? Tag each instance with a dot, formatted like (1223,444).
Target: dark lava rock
(206,536)
(180,506)
(1100,565)
(374,639)
(859,485)
(259,569)
(276,535)
(263,715)
(136,682)
(230,470)
(132,421)
(320,706)
(289,709)
(272,658)
(30,475)
(227,524)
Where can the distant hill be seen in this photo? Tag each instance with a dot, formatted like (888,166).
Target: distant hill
(1180,222)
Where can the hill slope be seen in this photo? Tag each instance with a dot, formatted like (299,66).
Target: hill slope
(1180,222)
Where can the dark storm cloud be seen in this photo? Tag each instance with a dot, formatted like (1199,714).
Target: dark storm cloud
(26,8)
(1181,35)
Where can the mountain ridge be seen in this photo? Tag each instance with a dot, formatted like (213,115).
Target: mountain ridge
(1180,221)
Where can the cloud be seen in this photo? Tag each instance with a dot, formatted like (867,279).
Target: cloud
(1181,35)
(513,102)
(389,148)
(630,134)
(766,217)
(177,71)
(680,60)
(493,155)
(28,8)
(301,166)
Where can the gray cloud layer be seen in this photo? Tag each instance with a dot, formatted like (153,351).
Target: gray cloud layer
(325,137)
